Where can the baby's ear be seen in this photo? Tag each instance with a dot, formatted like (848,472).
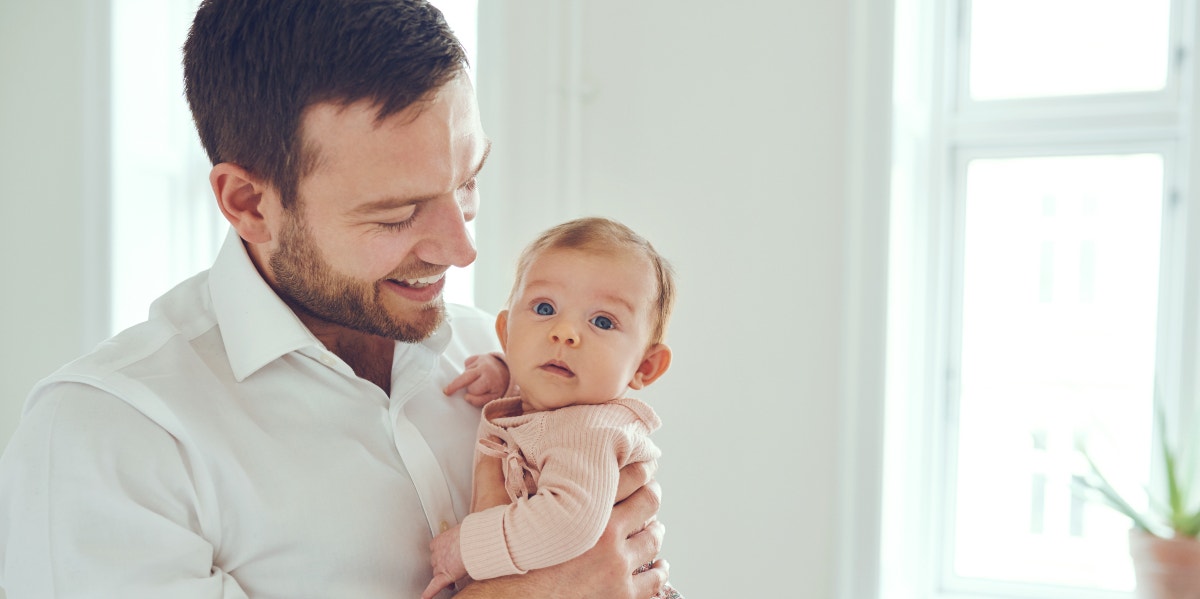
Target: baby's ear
(502,329)
(656,362)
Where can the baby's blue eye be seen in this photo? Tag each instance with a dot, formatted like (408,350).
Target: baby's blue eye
(544,309)
(603,322)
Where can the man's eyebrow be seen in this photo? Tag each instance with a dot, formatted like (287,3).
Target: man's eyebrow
(392,203)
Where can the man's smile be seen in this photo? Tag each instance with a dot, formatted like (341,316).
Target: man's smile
(420,289)
(419,283)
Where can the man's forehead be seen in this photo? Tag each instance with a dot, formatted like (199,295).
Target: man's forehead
(423,151)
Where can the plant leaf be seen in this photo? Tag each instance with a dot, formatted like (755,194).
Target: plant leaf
(1112,497)
(1190,526)
(1175,493)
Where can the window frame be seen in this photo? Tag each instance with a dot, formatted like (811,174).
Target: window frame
(951,355)
(1082,110)
(937,130)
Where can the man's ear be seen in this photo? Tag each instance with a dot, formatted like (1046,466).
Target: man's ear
(656,362)
(502,329)
(240,195)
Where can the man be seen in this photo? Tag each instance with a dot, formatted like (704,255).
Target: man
(276,428)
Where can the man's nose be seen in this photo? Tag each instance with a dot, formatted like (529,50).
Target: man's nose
(449,242)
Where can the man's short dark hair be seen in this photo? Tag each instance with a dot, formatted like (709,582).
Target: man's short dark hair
(252,67)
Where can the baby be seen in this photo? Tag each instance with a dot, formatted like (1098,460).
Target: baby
(585,322)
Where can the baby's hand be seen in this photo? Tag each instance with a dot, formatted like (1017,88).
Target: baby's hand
(447,562)
(485,379)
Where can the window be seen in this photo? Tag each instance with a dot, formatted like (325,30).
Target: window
(165,225)
(1056,336)
(1041,284)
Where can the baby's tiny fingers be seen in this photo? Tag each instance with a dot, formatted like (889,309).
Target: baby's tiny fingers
(478,400)
(435,586)
(461,382)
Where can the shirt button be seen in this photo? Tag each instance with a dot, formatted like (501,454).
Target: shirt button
(445,526)
(328,360)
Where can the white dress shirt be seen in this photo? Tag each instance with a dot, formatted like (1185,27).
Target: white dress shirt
(219,450)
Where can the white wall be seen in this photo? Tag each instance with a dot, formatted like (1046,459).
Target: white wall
(725,132)
(50,124)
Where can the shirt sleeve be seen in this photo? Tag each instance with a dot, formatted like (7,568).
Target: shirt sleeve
(577,485)
(97,500)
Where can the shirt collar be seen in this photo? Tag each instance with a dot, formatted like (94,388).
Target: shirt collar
(257,327)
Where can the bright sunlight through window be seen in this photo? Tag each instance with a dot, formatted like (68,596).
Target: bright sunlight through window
(1052,282)
(1031,48)
(1060,293)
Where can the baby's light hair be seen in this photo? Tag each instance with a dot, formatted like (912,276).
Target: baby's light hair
(604,235)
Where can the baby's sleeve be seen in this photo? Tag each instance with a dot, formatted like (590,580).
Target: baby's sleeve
(579,463)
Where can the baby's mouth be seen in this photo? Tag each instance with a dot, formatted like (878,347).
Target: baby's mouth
(559,368)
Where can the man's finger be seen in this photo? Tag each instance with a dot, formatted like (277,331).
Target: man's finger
(633,477)
(652,579)
(643,548)
(636,511)
(645,544)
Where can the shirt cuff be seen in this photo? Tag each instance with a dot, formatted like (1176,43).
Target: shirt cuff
(484,547)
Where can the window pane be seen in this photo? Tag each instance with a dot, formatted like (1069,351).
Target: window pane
(165,225)
(1030,48)
(1060,279)
(463,18)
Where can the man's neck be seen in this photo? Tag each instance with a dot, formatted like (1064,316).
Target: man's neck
(369,355)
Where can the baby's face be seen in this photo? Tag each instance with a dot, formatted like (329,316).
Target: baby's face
(578,327)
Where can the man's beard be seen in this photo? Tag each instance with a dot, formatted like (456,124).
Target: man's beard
(308,283)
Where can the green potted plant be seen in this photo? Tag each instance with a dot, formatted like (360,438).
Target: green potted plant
(1163,540)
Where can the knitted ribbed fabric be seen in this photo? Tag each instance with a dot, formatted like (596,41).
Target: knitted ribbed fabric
(574,456)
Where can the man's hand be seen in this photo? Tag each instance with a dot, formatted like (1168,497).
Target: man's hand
(485,378)
(633,477)
(632,538)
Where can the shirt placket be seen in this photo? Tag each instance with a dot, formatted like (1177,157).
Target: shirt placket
(416,363)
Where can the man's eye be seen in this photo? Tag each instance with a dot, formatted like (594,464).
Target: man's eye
(404,224)
(544,309)
(603,322)
(400,220)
